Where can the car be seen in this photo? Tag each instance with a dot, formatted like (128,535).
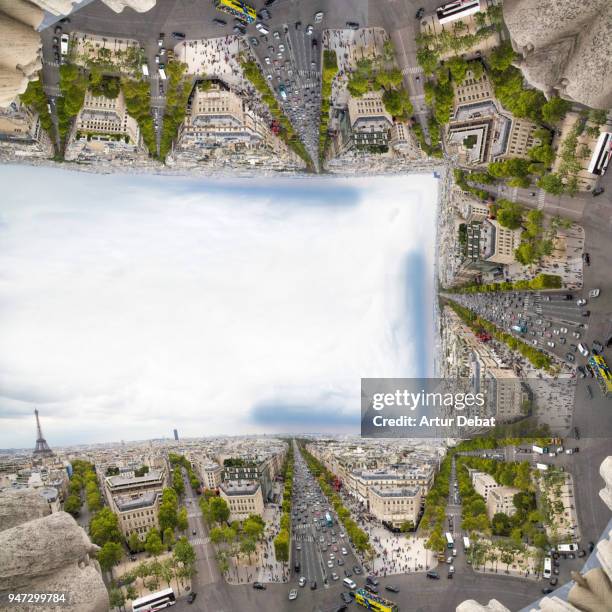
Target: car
(264,14)
(298,25)
(192,597)
(547,590)
(591,546)
(371,580)
(598,191)
(267,60)
(576,335)
(314,43)
(309,30)
(194,532)
(281,47)
(330,563)
(357,569)
(340,561)
(598,346)
(450,575)
(348,573)
(318,17)
(332,556)
(550,344)
(160,40)
(58,29)
(313,585)
(581,302)
(302,581)
(586,258)
(433,575)
(261,28)
(259,586)
(420,13)
(353,25)
(583,349)
(219,22)
(556,332)
(581,553)
(276,35)
(253,40)
(345,597)
(570,357)
(371,588)
(238,29)
(344,551)
(563,330)
(392,588)
(335,576)
(178,35)
(293,594)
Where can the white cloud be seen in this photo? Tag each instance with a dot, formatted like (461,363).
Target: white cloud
(129,306)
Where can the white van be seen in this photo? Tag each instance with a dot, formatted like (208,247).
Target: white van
(584,351)
(261,28)
(349,584)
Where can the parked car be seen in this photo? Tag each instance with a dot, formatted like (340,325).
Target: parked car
(598,346)
(581,302)
(259,586)
(593,293)
(178,35)
(192,597)
(353,25)
(420,13)
(293,594)
(433,575)
(392,588)
(598,191)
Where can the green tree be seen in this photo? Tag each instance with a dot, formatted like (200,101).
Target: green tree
(397,103)
(104,527)
(168,538)
(501,57)
(153,544)
(134,543)
(509,214)
(182,523)
(358,85)
(554,110)
(72,505)
(458,68)
(219,509)
(184,553)
(428,60)
(281,546)
(109,555)
(543,153)
(116,598)
(551,183)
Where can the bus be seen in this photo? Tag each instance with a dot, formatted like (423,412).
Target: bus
(374,602)
(155,601)
(64,40)
(145,70)
(547,567)
(567,548)
(601,154)
(466,543)
(449,540)
(457,10)
(328,519)
(162,72)
(237,8)
(602,373)
(519,329)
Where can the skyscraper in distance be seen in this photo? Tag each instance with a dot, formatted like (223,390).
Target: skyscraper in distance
(176,434)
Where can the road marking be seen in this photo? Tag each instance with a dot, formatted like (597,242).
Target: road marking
(541,198)
(412,70)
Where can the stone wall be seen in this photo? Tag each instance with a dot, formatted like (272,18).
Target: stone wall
(42,552)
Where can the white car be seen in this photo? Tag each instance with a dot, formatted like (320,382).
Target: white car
(309,30)
(281,47)
(318,17)
(302,581)
(344,551)
(298,547)
(563,330)
(267,60)
(330,564)
(332,556)
(550,344)
(261,28)
(581,302)
(593,293)
(584,351)
(293,594)
(276,35)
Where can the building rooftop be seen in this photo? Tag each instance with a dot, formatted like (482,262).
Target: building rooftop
(240,487)
(124,504)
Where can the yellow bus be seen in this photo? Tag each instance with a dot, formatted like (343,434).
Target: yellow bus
(602,373)
(237,8)
(374,602)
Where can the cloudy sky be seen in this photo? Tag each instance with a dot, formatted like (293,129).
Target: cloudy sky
(133,305)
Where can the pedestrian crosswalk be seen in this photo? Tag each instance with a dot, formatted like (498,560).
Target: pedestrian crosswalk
(541,198)
(303,538)
(412,70)
(198,540)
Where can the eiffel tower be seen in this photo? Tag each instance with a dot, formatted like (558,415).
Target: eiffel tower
(42,448)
